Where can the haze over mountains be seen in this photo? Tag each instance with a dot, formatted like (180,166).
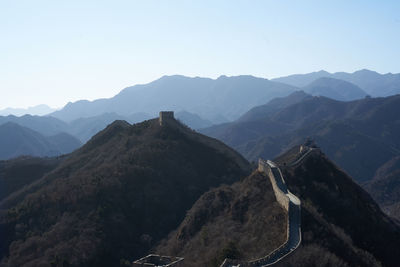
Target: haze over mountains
(373,83)
(16,140)
(212,99)
(201,102)
(226,98)
(343,129)
(335,89)
(85,128)
(218,100)
(360,135)
(36,110)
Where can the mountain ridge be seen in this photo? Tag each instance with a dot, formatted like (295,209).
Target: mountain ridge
(372,82)
(203,96)
(106,202)
(335,88)
(40,110)
(16,140)
(341,128)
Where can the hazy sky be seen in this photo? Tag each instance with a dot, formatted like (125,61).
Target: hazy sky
(53,52)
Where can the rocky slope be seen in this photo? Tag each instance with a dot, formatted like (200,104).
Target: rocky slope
(229,222)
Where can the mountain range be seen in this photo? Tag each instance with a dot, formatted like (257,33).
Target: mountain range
(39,110)
(115,197)
(373,83)
(135,189)
(359,136)
(219,100)
(199,102)
(85,128)
(227,98)
(335,89)
(16,140)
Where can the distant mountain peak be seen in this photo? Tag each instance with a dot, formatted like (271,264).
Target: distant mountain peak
(366,71)
(323,72)
(41,110)
(335,89)
(371,82)
(173,76)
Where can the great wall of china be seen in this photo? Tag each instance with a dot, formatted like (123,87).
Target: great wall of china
(290,203)
(284,197)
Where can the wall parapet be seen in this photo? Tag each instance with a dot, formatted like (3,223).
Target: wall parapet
(278,185)
(293,231)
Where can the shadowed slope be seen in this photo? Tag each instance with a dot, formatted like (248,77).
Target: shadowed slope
(359,135)
(338,217)
(341,225)
(227,222)
(20,172)
(111,200)
(385,187)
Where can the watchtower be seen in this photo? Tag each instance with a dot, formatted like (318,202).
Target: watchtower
(165,116)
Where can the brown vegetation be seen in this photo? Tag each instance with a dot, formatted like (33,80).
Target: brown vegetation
(338,218)
(242,221)
(19,172)
(114,198)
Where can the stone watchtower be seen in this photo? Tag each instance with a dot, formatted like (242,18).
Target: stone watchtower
(166,116)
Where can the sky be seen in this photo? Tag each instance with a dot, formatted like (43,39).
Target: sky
(53,52)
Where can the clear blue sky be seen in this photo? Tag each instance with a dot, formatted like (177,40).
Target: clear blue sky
(53,52)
